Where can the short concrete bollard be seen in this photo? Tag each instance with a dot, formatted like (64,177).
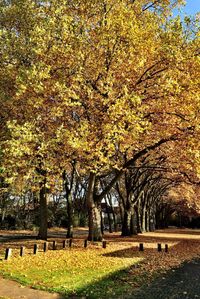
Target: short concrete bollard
(22,251)
(104,244)
(35,249)
(64,244)
(54,245)
(159,247)
(8,253)
(46,245)
(141,247)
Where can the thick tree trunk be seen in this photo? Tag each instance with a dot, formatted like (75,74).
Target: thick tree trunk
(126,223)
(147,220)
(133,223)
(129,223)
(94,211)
(152,221)
(43,213)
(95,233)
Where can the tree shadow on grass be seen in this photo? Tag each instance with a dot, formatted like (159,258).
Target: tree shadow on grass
(117,284)
(111,286)
(179,283)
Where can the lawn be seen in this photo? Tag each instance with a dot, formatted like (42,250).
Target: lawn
(73,271)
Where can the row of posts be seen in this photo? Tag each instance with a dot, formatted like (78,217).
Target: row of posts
(64,244)
(46,247)
(159,247)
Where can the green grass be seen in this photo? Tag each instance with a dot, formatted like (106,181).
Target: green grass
(94,273)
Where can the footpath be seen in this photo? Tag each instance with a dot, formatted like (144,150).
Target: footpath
(12,290)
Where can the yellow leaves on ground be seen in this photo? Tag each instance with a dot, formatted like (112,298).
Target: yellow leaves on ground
(95,269)
(68,269)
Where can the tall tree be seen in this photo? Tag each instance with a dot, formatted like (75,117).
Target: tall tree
(92,81)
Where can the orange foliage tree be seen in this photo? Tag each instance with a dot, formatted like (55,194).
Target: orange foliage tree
(90,82)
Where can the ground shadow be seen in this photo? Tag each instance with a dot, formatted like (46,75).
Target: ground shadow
(180,231)
(150,238)
(5,239)
(130,252)
(180,283)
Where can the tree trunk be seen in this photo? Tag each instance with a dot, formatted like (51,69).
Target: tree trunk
(147,220)
(43,213)
(143,225)
(69,183)
(126,223)
(113,214)
(114,220)
(121,212)
(102,223)
(152,222)
(70,216)
(3,215)
(133,223)
(94,211)
(95,233)
(129,224)
(139,229)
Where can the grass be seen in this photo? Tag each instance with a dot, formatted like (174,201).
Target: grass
(74,271)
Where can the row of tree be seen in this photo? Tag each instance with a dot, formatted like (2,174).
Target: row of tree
(143,199)
(101,94)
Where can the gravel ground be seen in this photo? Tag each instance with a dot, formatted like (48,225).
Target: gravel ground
(181,283)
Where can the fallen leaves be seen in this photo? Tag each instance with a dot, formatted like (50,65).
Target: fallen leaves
(70,269)
(75,269)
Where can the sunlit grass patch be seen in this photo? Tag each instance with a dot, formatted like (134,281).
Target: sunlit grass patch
(70,271)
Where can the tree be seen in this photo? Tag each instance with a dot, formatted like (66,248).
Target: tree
(91,81)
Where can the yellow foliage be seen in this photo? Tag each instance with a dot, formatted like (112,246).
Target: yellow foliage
(92,80)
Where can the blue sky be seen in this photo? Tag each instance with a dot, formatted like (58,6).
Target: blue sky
(192,7)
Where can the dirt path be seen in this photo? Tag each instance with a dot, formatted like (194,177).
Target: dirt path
(181,283)
(13,290)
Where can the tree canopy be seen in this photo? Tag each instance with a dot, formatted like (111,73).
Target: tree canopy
(97,82)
